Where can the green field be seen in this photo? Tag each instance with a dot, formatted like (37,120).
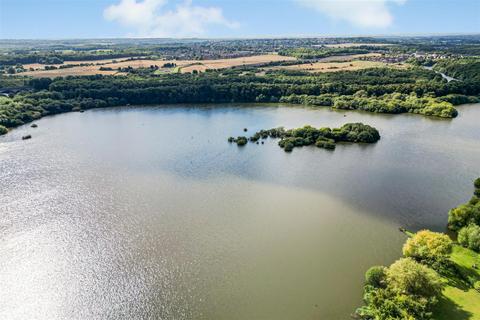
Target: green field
(460,301)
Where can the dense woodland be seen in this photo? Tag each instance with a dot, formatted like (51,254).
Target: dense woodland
(323,52)
(384,90)
(467,69)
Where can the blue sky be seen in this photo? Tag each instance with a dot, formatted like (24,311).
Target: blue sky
(39,19)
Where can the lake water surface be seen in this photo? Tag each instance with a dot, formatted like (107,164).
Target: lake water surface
(148,212)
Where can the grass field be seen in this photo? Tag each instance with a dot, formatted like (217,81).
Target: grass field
(460,301)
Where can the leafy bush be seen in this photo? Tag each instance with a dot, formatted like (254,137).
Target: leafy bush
(469,237)
(468,213)
(325,143)
(241,141)
(428,245)
(383,304)
(3,130)
(477,183)
(408,276)
(464,215)
(405,290)
(375,276)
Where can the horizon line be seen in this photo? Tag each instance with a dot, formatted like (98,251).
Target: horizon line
(260,37)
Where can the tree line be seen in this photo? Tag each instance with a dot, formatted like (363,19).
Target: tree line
(375,90)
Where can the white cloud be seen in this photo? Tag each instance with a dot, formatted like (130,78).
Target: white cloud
(362,13)
(149,18)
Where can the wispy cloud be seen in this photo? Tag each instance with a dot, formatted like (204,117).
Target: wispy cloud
(362,13)
(150,18)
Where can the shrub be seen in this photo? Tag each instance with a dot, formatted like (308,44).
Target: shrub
(375,276)
(325,143)
(407,276)
(241,141)
(477,183)
(464,215)
(387,304)
(476,286)
(428,245)
(469,237)
(467,213)
(3,130)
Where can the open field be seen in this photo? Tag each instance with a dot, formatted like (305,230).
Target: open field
(338,66)
(74,71)
(73,62)
(182,65)
(228,63)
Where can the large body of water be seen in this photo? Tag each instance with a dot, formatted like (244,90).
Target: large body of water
(148,212)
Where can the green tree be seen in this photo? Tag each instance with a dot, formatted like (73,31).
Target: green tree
(406,276)
(375,276)
(464,215)
(469,237)
(477,183)
(428,245)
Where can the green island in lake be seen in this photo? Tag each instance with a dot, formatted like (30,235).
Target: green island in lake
(308,135)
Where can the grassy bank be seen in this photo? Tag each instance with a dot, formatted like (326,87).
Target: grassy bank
(459,300)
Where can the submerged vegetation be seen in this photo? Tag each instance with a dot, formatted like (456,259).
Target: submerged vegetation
(434,275)
(308,135)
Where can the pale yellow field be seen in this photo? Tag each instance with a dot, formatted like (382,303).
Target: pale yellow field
(74,71)
(42,66)
(183,65)
(227,63)
(338,66)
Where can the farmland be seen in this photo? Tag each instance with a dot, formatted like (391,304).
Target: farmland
(338,66)
(111,66)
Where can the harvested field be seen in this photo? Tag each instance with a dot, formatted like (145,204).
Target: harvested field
(337,66)
(227,63)
(73,62)
(74,71)
(182,65)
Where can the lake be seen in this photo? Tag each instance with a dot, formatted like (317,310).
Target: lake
(149,213)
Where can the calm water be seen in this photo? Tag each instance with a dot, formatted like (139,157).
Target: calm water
(148,213)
